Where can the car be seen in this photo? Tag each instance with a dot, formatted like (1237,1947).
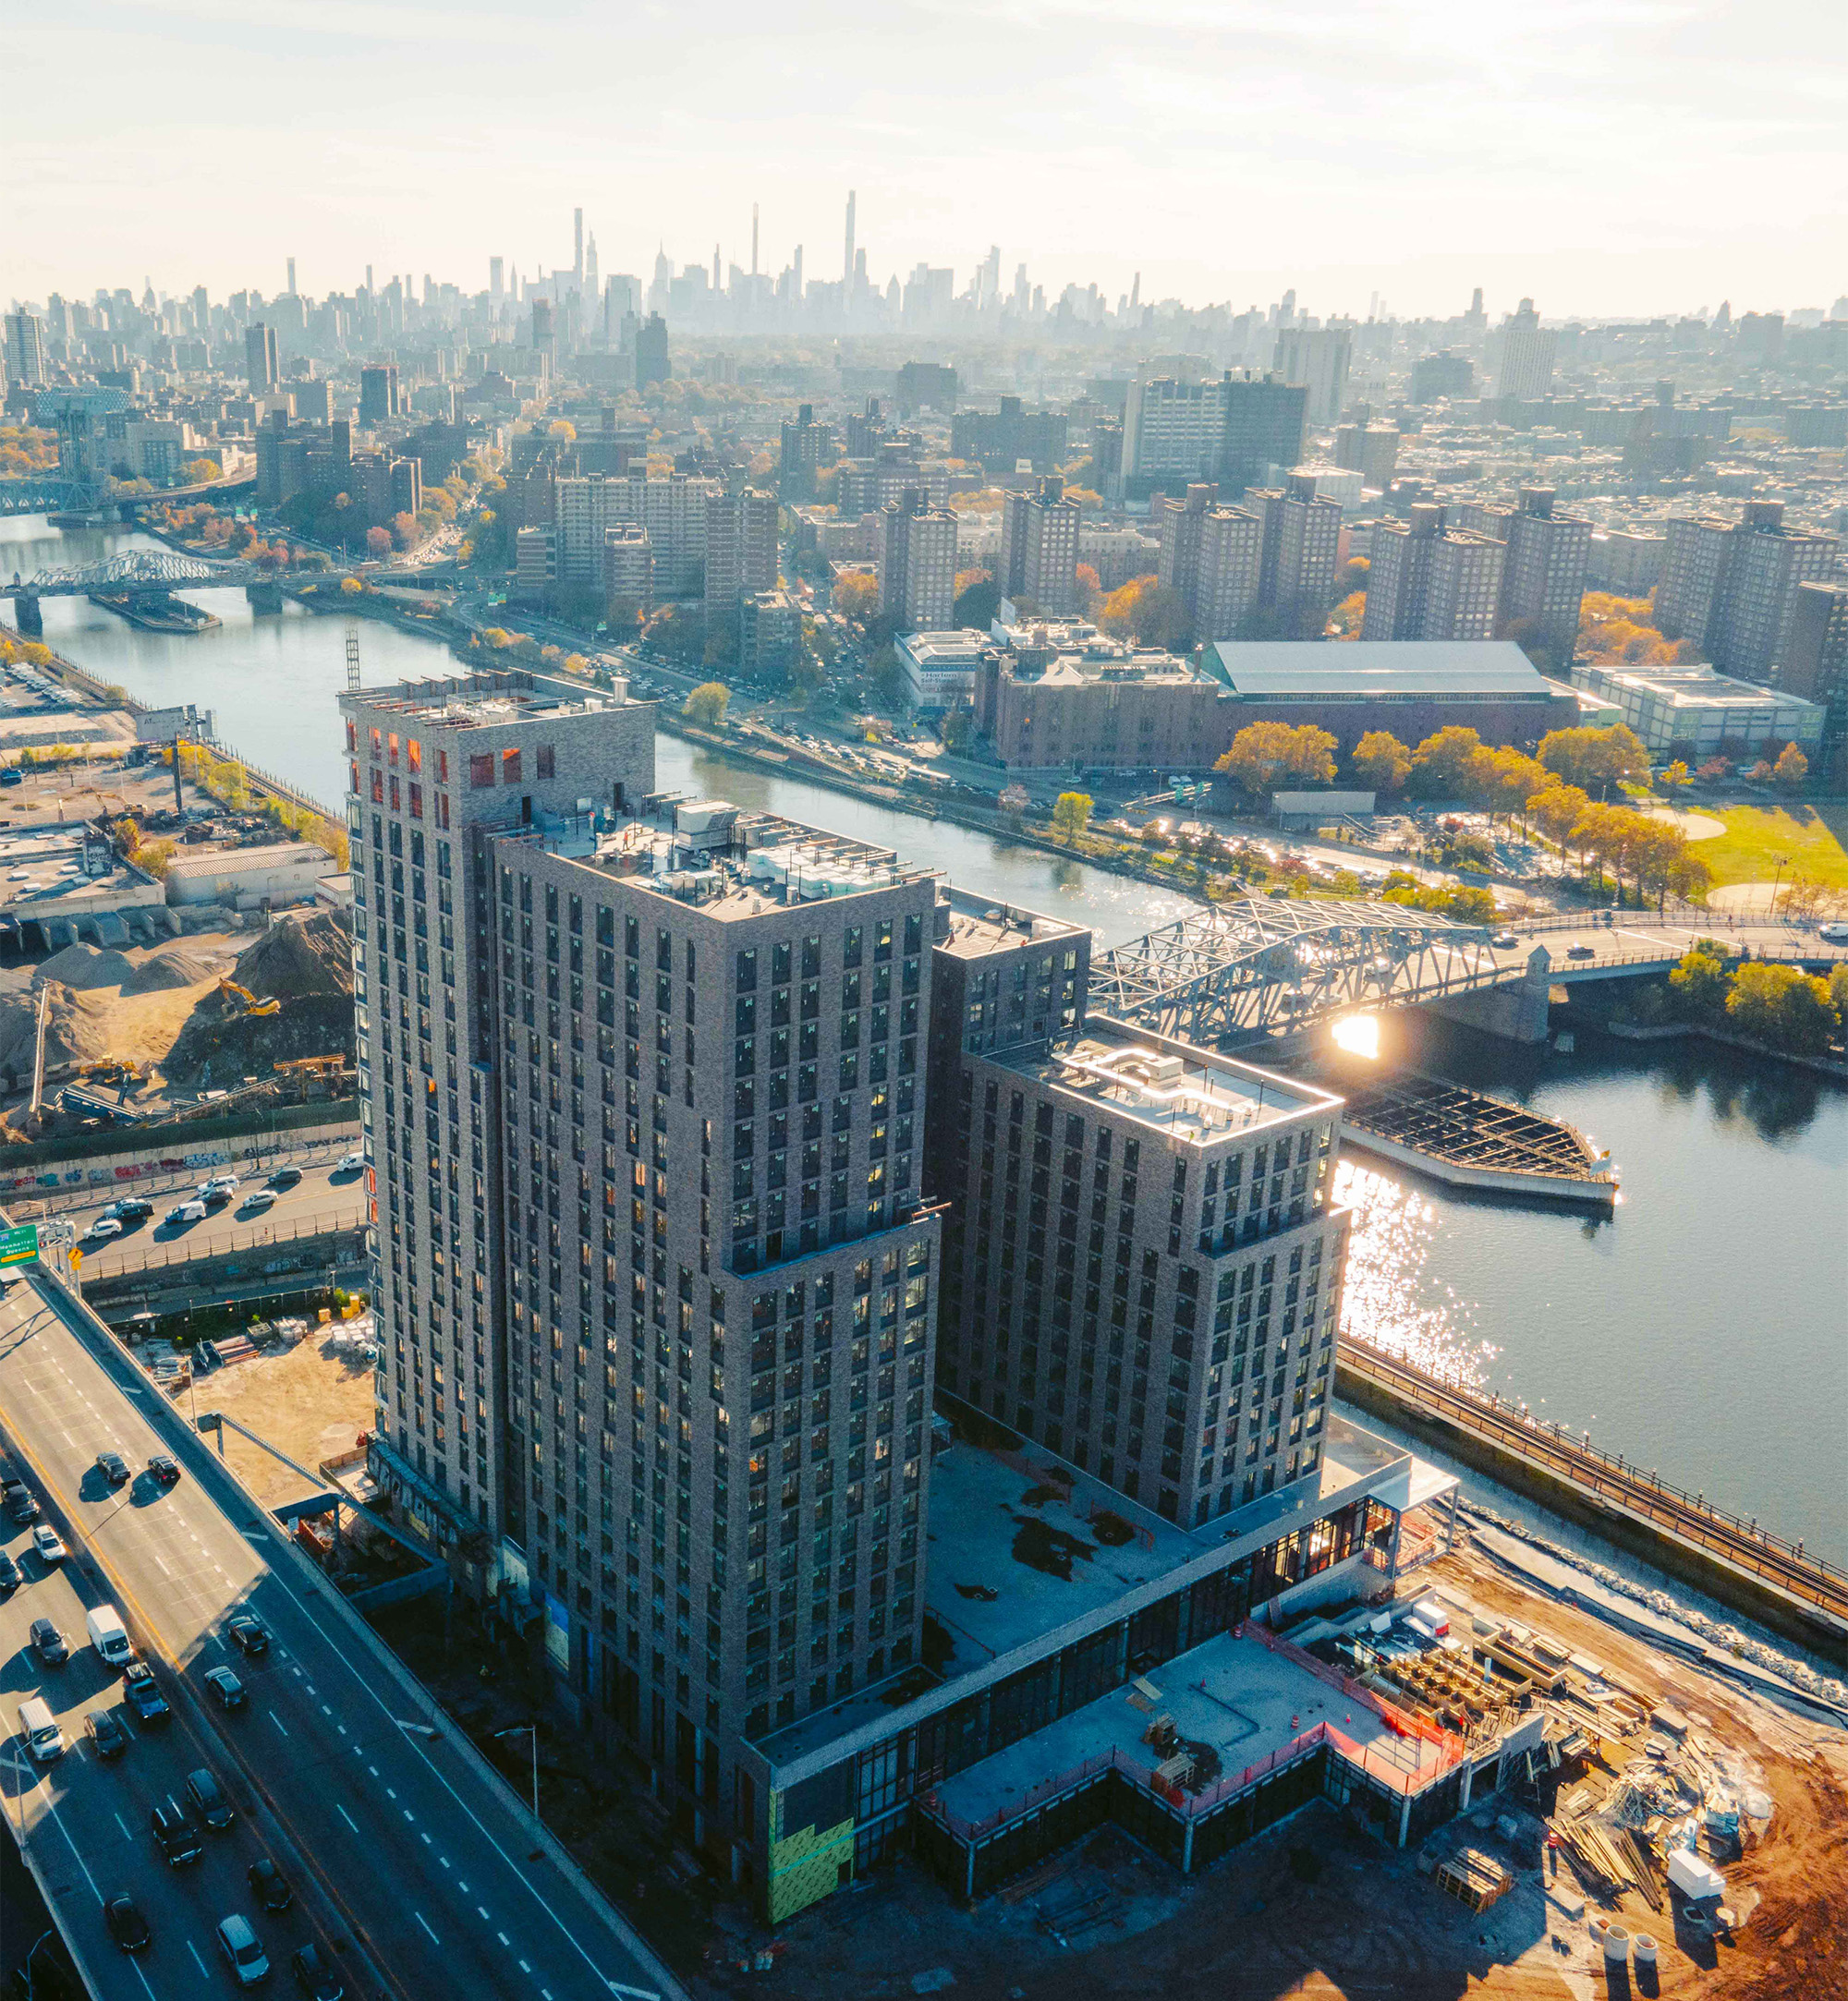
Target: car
(258,1200)
(208,1800)
(21,1503)
(130,1208)
(182,1213)
(162,1471)
(177,1837)
(1504,940)
(351,1163)
(51,1646)
(114,1468)
(222,1184)
(127,1926)
(270,1885)
(210,1197)
(249,1634)
(1833,934)
(227,1690)
(143,1692)
(249,1962)
(102,1228)
(1578,948)
(103,1727)
(48,1544)
(287,1177)
(10,1574)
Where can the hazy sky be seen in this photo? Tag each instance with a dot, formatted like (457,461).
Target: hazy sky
(1620,156)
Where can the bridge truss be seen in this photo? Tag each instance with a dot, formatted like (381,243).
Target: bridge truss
(139,569)
(1264,967)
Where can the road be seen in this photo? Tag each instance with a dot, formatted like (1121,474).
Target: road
(428,1864)
(324,1200)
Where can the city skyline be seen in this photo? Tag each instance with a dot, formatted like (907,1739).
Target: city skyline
(1576,188)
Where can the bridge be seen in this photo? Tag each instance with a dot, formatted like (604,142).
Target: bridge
(1235,973)
(140,583)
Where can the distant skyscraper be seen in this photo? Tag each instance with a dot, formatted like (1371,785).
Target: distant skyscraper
(1317,359)
(1814,663)
(1428,581)
(291,284)
(577,250)
(259,358)
(1302,534)
(847,264)
(496,280)
(378,392)
(591,288)
(1527,370)
(652,363)
(25,350)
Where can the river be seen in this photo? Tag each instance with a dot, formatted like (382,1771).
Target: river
(1702,1330)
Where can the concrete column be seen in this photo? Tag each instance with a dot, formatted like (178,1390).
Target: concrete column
(1468,1783)
(1516,1012)
(27,616)
(1404,1821)
(1187,1850)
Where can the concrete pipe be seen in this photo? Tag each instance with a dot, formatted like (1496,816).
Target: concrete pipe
(1643,1949)
(1616,1945)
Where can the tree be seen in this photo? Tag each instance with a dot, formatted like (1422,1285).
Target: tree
(1599,760)
(36,653)
(1380,762)
(958,725)
(378,544)
(1013,800)
(1556,809)
(857,595)
(1090,588)
(1698,983)
(1071,814)
(977,600)
(1791,768)
(1715,770)
(1264,755)
(404,528)
(1838,993)
(562,427)
(1149,611)
(1782,1006)
(1503,781)
(1440,764)
(1676,777)
(199,470)
(707,704)
(1345,620)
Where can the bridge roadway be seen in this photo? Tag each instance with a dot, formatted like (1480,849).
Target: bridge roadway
(412,1861)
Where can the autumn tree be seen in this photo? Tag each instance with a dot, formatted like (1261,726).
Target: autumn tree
(1502,780)
(1071,814)
(1380,762)
(1791,768)
(1440,764)
(1090,588)
(1267,754)
(378,543)
(1149,611)
(198,471)
(1676,777)
(707,704)
(1698,984)
(977,600)
(1782,1006)
(1345,620)
(404,528)
(857,595)
(1599,760)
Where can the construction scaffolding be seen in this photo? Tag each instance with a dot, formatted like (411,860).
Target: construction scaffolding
(1268,965)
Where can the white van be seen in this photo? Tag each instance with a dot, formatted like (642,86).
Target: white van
(39,1729)
(109,1636)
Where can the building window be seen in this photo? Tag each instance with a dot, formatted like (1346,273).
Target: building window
(510,768)
(543,758)
(480,773)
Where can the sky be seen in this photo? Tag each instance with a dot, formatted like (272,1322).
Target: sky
(1604,156)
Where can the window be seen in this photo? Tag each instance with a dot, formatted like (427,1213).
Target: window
(542,760)
(480,773)
(510,768)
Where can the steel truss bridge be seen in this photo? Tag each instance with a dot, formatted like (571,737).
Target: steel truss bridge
(140,570)
(1235,971)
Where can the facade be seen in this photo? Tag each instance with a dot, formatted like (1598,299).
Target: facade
(1178,525)
(651,352)
(1302,539)
(1443,378)
(1693,712)
(1052,696)
(1039,547)
(1543,577)
(941,669)
(1213,556)
(673,511)
(379,397)
(1009,437)
(1733,590)
(628,566)
(1527,349)
(915,552)
(1625,562)
(1232,430)
(770,631)
(259,358)
(25,350)
(741,556)
(1316,357)
(1428,581)
(1816,660)
(806,446)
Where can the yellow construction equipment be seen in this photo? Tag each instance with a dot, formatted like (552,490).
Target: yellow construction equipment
(245,1001)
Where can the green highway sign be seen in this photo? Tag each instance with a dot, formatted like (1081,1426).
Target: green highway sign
(19,1243)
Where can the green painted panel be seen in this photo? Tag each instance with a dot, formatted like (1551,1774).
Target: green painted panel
(806,1866)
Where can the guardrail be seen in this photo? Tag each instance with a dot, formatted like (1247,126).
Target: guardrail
(77,1197)
(171,1257)
(1736,1538)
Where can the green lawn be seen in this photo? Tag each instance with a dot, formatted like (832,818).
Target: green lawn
(1811,840)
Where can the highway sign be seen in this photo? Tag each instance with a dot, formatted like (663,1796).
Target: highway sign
(19,1245)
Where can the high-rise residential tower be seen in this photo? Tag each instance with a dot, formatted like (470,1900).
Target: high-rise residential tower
(1040,547)
(1543,577)
(259,358)
(1430,581)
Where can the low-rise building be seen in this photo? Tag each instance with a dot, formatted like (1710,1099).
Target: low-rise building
(1692,711)
(941,669)
(245,878)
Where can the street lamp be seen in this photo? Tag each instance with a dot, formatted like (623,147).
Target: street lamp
(531,1730)
(1783,862)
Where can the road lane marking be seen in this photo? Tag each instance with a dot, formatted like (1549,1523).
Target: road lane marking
(391,1792)
(422,1920)
(426,1840)
(483,1910)
(410,1816)
(524,1967)
(124,1826)
(346,1816)
(278,1722)
(204,1970)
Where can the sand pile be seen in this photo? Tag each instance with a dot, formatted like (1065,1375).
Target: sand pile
(83,966)
(307,956)
(304,962)
(162,971)
(79,1029)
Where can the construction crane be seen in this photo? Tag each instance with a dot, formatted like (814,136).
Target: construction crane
(244,1003)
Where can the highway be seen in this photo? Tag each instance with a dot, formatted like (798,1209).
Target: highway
(426,1866)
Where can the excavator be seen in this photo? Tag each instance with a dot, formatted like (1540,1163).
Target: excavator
(240,1002)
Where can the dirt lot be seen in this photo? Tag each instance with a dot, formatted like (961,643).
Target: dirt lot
(309,1402)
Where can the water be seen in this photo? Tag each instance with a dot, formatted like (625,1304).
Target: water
(1703,1331)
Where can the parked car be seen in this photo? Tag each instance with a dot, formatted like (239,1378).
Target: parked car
(103,1727)
(249,1634)
(227,1690)
(127,1926)
(48,1544)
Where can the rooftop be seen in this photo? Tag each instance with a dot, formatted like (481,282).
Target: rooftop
(1690,686)
(481,701)
(1022,1545)
(979,927)
(1195,1098)
(1360,670)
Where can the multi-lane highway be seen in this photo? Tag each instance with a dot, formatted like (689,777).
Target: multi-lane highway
(420,1875)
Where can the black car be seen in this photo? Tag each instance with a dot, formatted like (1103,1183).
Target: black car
(162,1471)
(208,1800)
(316,1979)
(49,1644)
(21,1505)
(106,1731)
(284,1178)
(134,1209)
(114,1468)
(177,1838)
(270,1885)
(248,1633)
(143,1692)
(9,1573)
(127,1926)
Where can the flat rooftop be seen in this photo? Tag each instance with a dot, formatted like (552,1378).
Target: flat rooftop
(1363,670)
(481,702)
(53,871)
(979,926)
(1197,1097)
(1233,1703)
(1021,1544)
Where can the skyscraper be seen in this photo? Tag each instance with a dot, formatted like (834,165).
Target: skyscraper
(1733,590)
(916,556)
(847,263)
(1430,581)
(378,392)
(25,350)
(1316,357)
(1527,347)
(259,358)
(1543,579)
(496,285)
(1302,536)
(741,556)
(1039,547)
(651,362)
(578,251)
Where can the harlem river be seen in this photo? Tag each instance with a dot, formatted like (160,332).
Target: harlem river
(1702,1330)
